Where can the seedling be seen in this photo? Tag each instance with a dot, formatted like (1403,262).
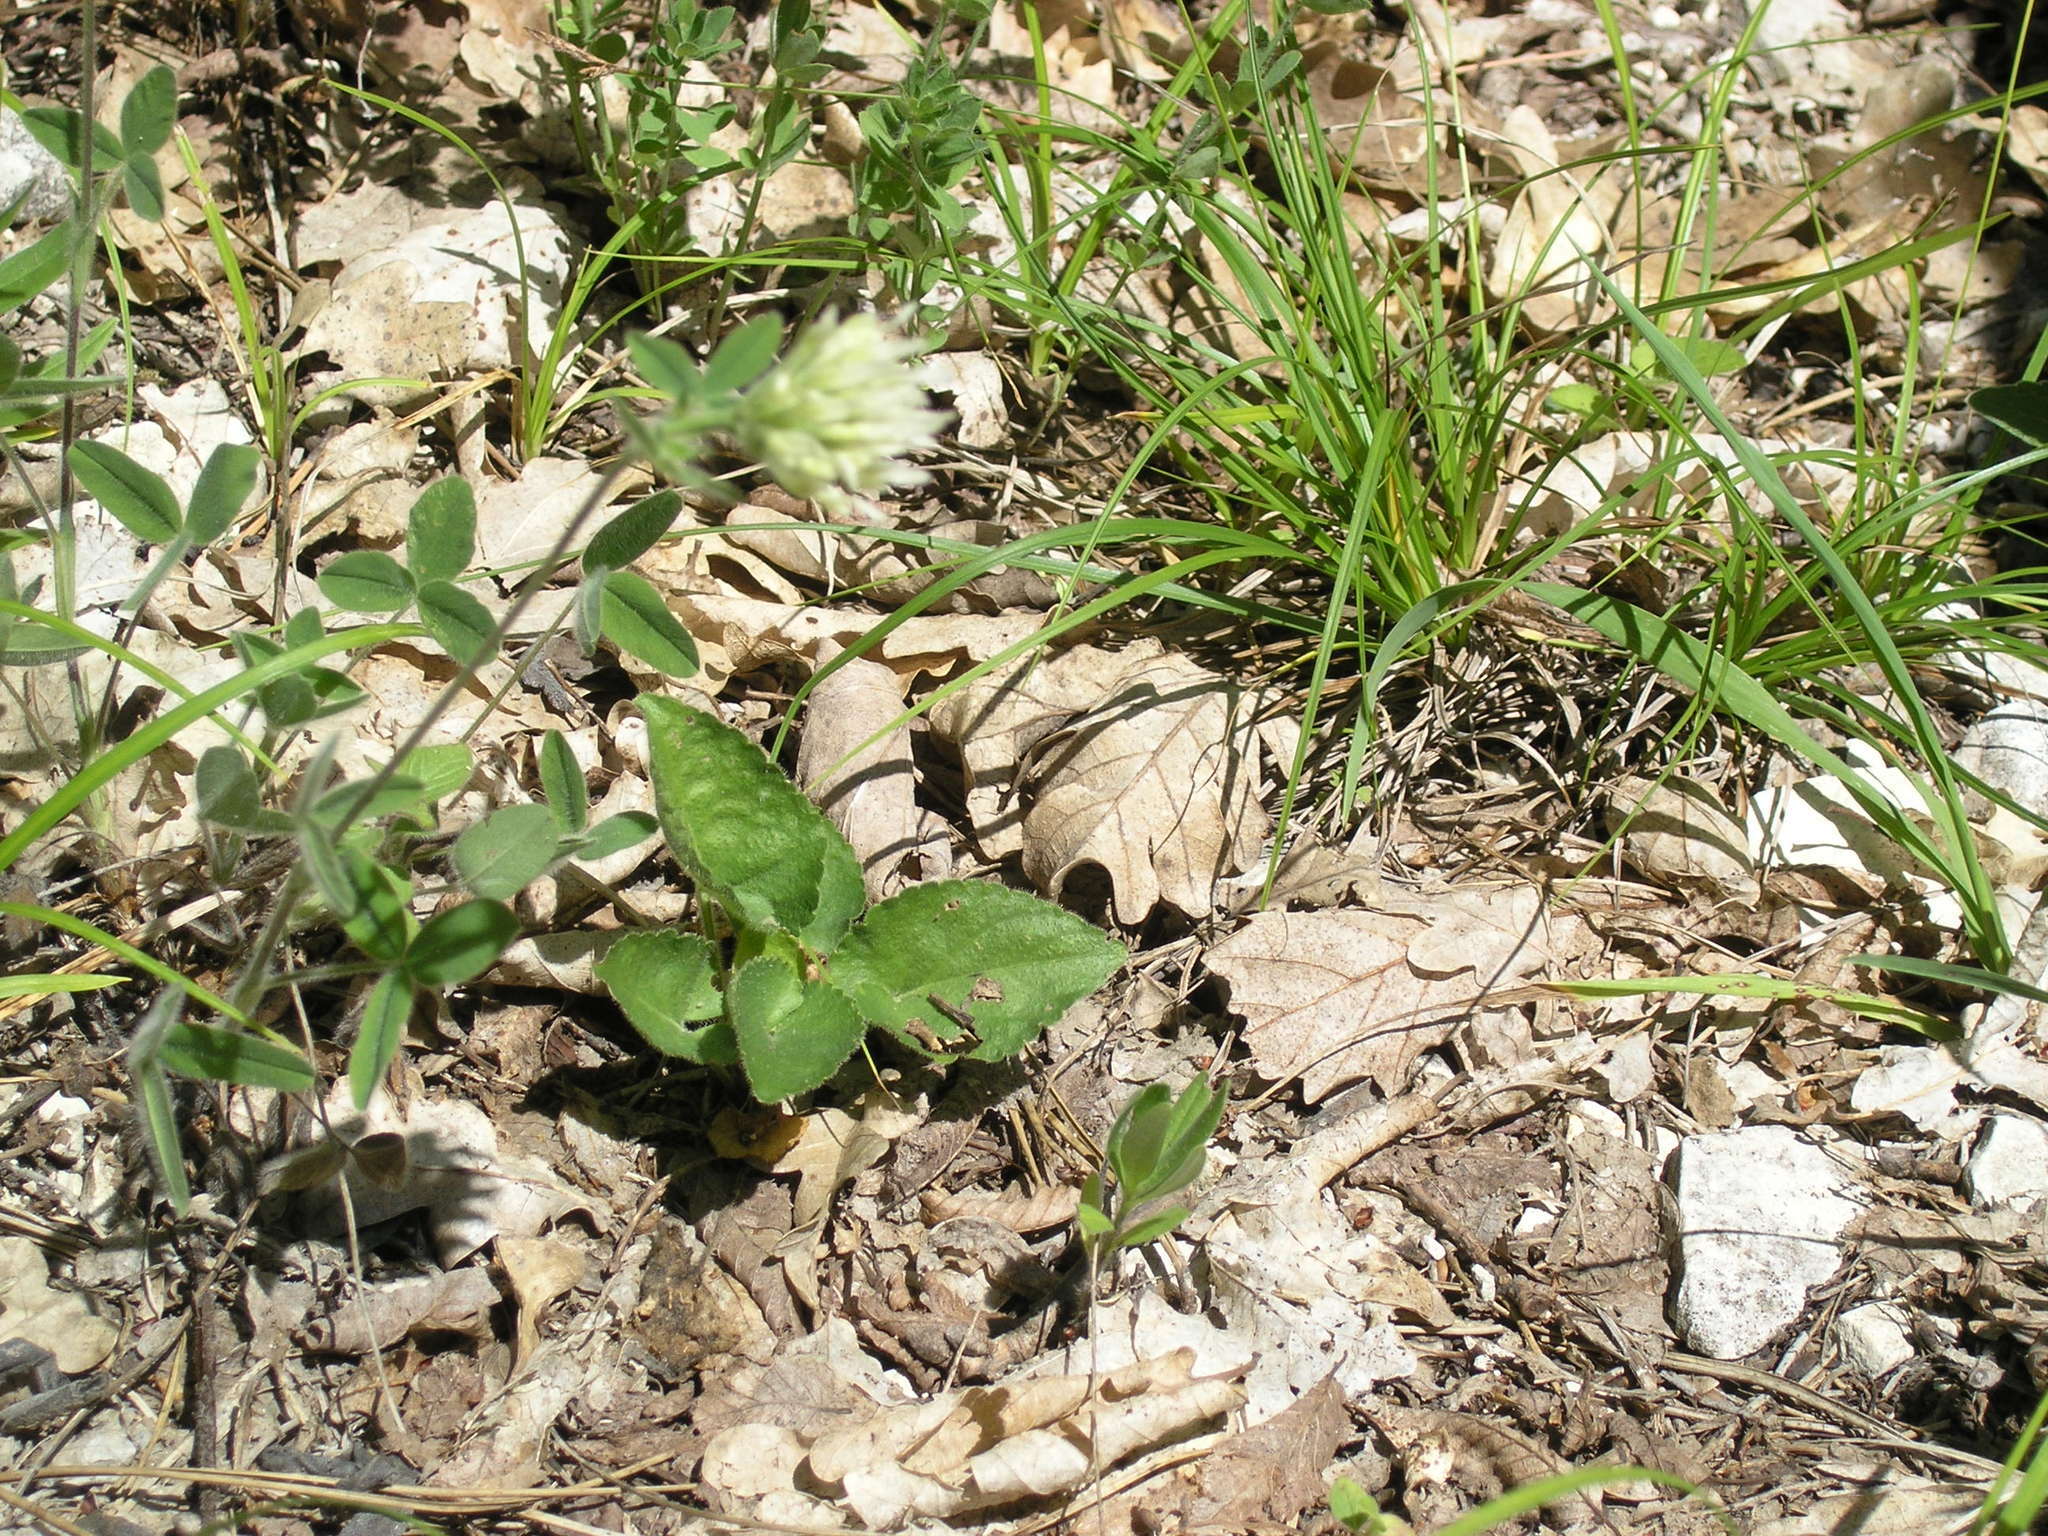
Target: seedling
(789,973)
(1358,1511)
(1157,1148)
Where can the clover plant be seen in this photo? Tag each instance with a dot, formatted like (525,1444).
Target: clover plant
(792,968)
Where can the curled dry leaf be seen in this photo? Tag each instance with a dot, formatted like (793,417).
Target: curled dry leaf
(391,1311)
(540,1270)
(1333,997)
(989,1446)
(1053,1206)
(1678,831)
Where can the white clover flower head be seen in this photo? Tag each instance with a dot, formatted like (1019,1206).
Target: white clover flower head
(835,417)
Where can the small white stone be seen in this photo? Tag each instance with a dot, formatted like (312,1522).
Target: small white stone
(1586,1116)
(1917,1081)
(1630,1072)
(1749,1082)
(2009,1167)
(1874,1337)
(1761,1213)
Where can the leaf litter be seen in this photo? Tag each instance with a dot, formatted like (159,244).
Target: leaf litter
(1431,1235)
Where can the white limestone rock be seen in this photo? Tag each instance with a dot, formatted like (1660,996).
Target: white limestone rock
(1761,1213)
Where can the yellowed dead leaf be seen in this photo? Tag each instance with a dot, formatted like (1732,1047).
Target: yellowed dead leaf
(1557,222)
(541,1270)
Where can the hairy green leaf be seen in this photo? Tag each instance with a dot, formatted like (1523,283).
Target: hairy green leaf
(507,851)
(385,1013)
(459,621)
(225,482)
(1004,959)
(614,834)
(561,780)
(632,533)
(440,531)
(149,111)
(367,581)
(229,1056)
(744,834)
(461,944)
(664,982)
(792,1033)
(144,184)
(635,618)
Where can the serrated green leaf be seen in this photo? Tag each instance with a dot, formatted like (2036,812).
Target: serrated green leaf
(385,1013)
(144,184)
(1011,962)
(367,581)
(635,618)
(440,531)
(561,781)
(149,111)
(792,1034)
(613,835)
(136,496)
(632,533)
(460,622)
(461,944)
(746,836)
(225,484)
(507,851)
(229,1056)
(664,982)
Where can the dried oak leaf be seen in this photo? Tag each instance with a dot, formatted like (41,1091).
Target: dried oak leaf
(1134,761)
(1335,997)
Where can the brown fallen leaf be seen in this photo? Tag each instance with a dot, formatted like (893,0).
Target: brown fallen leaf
(1333,997)
(540,1270)
(867,788)
(381,1315)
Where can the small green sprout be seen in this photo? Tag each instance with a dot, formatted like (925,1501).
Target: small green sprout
(1156,1149)
(1357,1510)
